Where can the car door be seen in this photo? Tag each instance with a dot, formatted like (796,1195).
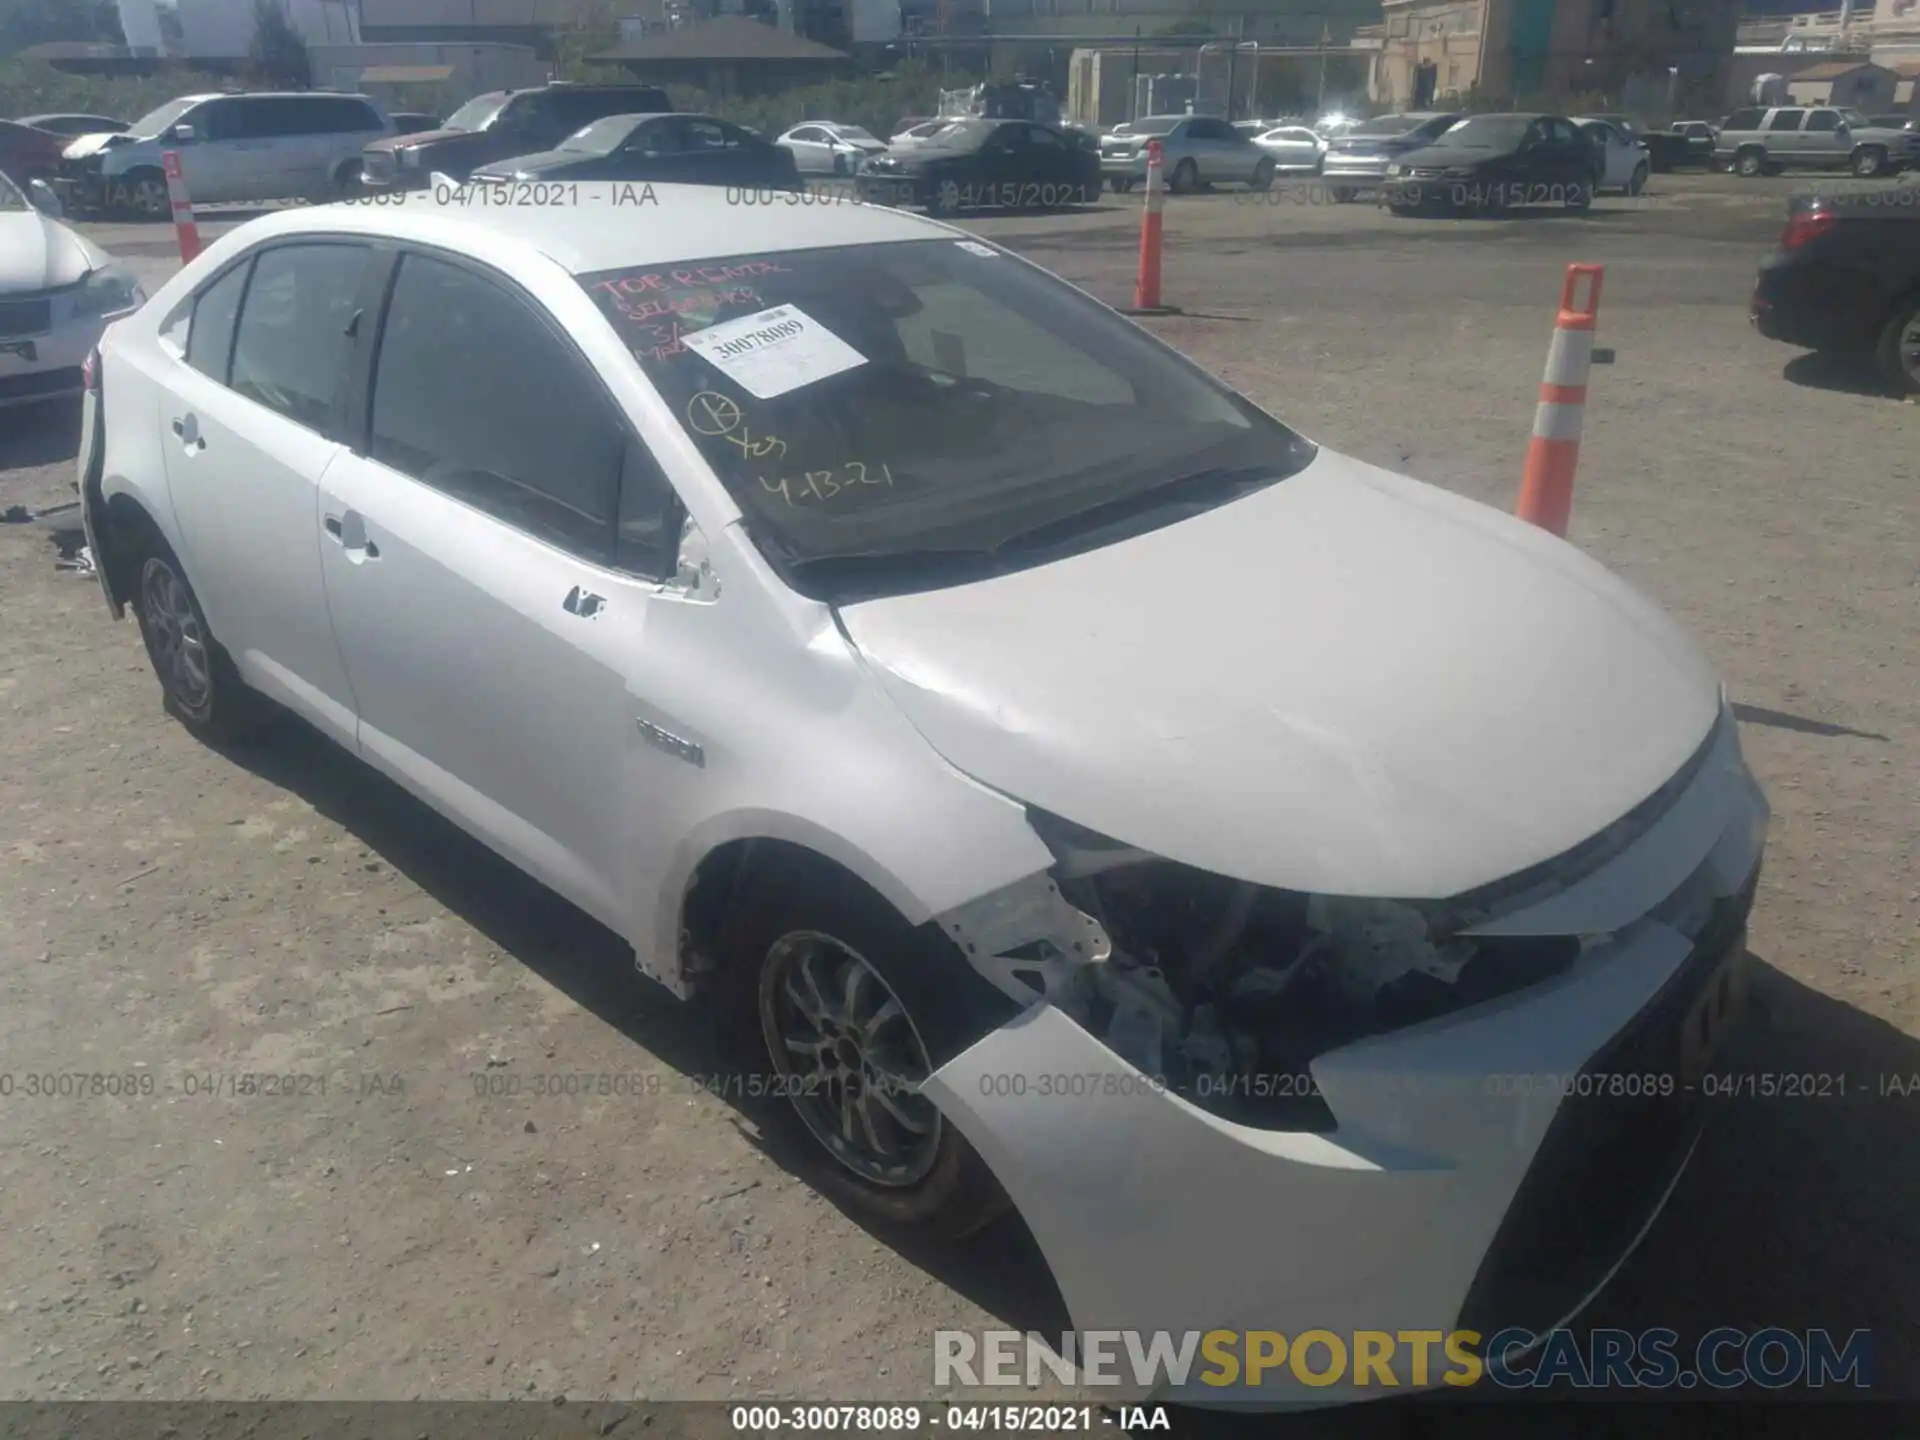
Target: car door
(1296,149)
(1050,172)
(486,578)
(811,150)
(210,161)
(1824,138)
(1782,136)
(1002,164)
(715,153)
(249,420)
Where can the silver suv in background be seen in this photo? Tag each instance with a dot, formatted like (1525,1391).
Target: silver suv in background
(301,145)
(1765,141)
(1362,153)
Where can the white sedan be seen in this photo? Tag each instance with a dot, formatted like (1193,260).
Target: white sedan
(1627,161)
(1089,793)
(821,148)
(1293,148)
(58,290)
(915,135)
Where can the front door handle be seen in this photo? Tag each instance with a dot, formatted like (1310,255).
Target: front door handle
(350,530)
(187,427)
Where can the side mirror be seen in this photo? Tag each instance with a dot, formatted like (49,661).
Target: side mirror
(41,195)
(185,134)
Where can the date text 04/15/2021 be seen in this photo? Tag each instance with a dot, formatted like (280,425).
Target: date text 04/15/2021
(957,1415)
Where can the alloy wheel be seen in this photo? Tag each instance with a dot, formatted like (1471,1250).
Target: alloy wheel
(1909,351)
(150,198)
(175,637)
(850,1058)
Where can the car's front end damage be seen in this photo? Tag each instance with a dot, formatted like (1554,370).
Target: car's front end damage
(1225,1106)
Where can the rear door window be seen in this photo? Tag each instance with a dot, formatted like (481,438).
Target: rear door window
(1785,120)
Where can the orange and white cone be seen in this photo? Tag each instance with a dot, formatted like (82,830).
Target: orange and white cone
(184,227)
(1546,489)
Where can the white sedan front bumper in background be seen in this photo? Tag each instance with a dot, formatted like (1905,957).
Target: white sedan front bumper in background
(41,353)
(1476,1180)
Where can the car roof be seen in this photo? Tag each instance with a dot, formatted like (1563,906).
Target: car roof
(603,232)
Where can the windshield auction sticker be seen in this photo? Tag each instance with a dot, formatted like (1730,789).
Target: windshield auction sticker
(774,351)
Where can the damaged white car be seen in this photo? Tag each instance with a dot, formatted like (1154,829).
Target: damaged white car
(1306,895)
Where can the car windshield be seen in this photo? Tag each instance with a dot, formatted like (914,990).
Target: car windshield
(1387,125)
(10,197)
(153,124)
(853,132)
(602,137)
(1488,132)
(476,114)
(902,416)
(1852,117)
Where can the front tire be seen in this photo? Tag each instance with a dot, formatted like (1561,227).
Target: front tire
(1185,179)
(198,683)
(1868,161)
(1344,194)
(945,199)
(1579,199)
(1750,164)
(145,193)
(1262,176)
(1898,351)
(852,1008)
(1121,184)
(1639,181)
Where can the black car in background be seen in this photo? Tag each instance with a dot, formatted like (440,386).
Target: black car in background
(672,149)
(982,164)
(1845,278)
(1494,163)
(412,122)
(498,126)
(1684,142)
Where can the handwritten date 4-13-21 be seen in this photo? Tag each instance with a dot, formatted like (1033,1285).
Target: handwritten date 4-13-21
(826,484)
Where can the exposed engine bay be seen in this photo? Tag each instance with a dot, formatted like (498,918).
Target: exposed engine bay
(1227,990)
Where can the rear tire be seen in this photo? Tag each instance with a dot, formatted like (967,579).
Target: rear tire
(1639,181)
(1344,194)
(1262,176)
(1579,199)
(1898,351)
(1185,178)
(838,990)
(1121,184)
(198,682)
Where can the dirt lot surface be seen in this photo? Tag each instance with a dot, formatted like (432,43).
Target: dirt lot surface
(186,918)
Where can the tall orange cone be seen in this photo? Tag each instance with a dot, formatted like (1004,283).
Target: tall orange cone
(1146,284)
(184,228)
(1546,489)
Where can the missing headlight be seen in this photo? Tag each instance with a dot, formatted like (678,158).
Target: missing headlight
(1230,990)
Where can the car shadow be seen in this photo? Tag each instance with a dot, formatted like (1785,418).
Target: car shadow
(43,434)
(1845,371)
(1000,1269)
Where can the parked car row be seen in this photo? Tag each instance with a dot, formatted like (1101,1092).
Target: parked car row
(1767,140)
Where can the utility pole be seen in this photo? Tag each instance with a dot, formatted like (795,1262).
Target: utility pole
(1233,55)
(1133,87)
(1320,98)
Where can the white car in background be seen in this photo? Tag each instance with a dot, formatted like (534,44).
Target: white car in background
(823,148)
(1627,160)
(58,292)
(919,134)
(1293,148)
(822,643)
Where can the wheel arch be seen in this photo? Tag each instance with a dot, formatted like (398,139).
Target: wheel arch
(714,862)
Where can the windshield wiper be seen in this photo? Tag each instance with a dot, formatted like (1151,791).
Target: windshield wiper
(1173,499)
(878,572)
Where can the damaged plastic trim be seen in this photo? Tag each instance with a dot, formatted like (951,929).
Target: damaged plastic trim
(1028,939)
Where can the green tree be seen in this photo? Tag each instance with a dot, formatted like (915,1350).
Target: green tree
(278,56)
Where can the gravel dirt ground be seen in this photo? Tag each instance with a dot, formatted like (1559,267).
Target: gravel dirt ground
(403,1224)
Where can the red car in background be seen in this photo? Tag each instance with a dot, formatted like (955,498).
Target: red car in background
(29,154)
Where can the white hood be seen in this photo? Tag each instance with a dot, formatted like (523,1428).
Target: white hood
(87,145)
(1349,682)
(39,253)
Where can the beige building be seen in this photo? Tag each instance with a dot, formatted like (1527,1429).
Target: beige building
(1646,55)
